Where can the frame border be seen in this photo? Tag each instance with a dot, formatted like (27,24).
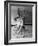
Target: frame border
(6,13)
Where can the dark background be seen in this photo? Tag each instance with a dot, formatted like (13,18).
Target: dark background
(26,14)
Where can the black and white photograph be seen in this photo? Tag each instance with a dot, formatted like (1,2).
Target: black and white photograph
(20,22)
